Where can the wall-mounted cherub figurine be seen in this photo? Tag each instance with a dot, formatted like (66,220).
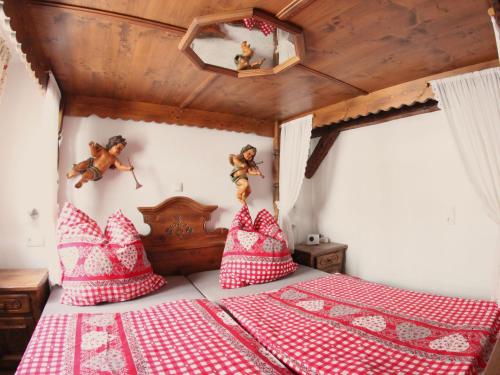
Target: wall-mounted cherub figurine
(102,158)
(242,61)
(244,165)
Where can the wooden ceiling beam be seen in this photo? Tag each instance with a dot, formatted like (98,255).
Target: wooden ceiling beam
(377,118)
(417,91)
(198,90)
(84,106)
(293,8)
(324,145)
(331,78)
(172,30)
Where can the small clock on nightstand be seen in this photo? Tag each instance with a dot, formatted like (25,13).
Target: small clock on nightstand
(328,257)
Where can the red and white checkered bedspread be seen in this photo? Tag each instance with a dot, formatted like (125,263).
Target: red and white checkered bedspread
(181,337)
(340,324)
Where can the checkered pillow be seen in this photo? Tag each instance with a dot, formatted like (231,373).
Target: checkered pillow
(254,254)
(102,268)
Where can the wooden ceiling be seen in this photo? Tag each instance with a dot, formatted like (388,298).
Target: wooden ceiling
(126,51)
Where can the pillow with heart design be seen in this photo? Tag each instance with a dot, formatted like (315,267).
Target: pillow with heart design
(254,254)
(99,267)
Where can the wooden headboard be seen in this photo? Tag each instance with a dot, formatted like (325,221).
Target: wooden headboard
(179,242)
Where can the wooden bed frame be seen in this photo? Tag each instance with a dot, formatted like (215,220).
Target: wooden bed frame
(179,242)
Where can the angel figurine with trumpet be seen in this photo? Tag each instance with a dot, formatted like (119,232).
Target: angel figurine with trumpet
(102,158)
(243,166)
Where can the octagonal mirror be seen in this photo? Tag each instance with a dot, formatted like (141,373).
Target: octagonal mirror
(243,43)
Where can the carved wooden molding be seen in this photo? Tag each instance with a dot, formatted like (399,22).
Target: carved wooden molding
(19,21)
(85,106)
(179,242)
(417,91)
(377,118)
(293,8)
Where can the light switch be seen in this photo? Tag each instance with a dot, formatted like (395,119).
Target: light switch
(451,216)
(177,187)
(36,240)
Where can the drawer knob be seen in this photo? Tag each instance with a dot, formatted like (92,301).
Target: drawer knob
(10,304)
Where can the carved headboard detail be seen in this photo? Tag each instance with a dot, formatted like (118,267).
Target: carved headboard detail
(179,242)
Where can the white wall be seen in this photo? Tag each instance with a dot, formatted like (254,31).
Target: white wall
(163,156)
(28,149)
(388,192)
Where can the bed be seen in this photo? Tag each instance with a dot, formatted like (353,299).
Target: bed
(174,330)
(207,283)
(342,324)
(177,287)
(310,322)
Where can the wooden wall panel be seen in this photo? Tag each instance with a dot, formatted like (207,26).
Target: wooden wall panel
(376,44)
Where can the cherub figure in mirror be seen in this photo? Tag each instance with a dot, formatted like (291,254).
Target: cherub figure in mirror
(242,60)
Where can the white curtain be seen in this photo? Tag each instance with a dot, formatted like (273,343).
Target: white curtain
(50,123)
(471,103)
(4,62)
(294,152)
(497,34)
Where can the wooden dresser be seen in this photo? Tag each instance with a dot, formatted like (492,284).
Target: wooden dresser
(328,257)
(23,294)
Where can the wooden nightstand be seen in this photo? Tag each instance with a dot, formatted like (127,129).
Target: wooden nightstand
(328,257)
(23,294)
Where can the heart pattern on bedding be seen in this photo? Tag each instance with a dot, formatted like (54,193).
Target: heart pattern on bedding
(103,320)
(251,255)
(96,339)
(69,258)
(98,263)
(410,331)
(271,245)
(127,256)
(374,323)
(110,361)
(452,343)
(341,310)
(312,305)
(292,294)
(247,239)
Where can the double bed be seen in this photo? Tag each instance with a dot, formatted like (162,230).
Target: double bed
(309,323)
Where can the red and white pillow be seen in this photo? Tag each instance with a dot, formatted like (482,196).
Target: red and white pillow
(97,267)
(254,254)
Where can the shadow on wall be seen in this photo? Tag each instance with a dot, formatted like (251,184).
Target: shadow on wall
(324,180)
